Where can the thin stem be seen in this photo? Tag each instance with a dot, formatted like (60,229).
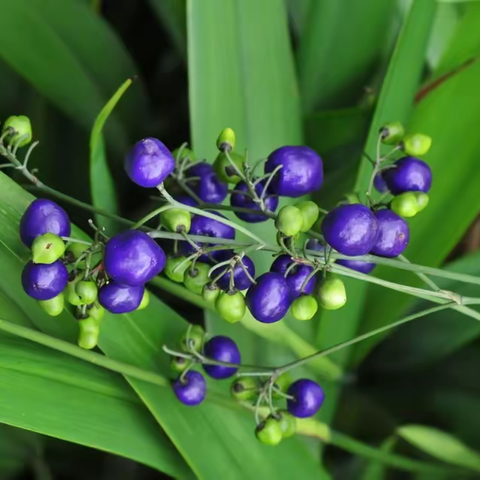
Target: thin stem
(76,240)
(251,211)
(151,215)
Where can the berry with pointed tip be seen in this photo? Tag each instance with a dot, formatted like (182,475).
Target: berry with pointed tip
(244,388)
(191,389)
(289,221)
(296,276)
(240,198)
(208,187)
(47,248)
(308,397)
(133,258)
(44,282)
(89,332)
(43,216)
(240,278)
(176,220)
(357,265)
(301,172)
(310,212)
(304,307)
(120,298)
(221,349)
(392,133)
(211,292)
(145,300)
(288,423)
(54,306)
(197,277)
(149,162)
(87,291)
(351,229)
(231,306)
(269,300)
(269,431)
(332,294)
(409,174)
(22,129)
(393,236)
(416,144)
(192,339)
(175,268)
(226,172)
(226,140)
(405,205)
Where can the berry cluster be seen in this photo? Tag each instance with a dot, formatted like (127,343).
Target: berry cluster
(220,359)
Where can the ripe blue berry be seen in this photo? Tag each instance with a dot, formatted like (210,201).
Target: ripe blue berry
(409,175)
(222,349)
(357,265)
(269,300)
(120,298)
(315,244)
(393,234)
(43,216)
(240,279)
(208,188)
(191,389)
(308,397)
(133,258)
(351,229)
(301,173)
(296,276)
(379,182)
(244,201)
(149,163)
(42,281)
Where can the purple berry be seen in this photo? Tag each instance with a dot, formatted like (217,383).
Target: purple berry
(43,216)
(409,175)
(315,244)
(120,298)
(187,200)
(357,265)
(308,398)
(191,390)
(133,258)
(240,279)
(244,201)
(296,276)
(379,182)
(149,162)
(393,234)
(351,229)
(209,188)
(44,282)
(269,300)
(222,349)
(301,173)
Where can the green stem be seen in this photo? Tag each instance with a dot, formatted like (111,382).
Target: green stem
(229,208)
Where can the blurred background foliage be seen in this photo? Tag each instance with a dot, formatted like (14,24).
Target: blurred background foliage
(327,73)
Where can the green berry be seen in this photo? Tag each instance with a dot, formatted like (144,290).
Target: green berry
(96,311)
(176,220)
(405,204)
(244,388)
(288,423)
(185,153)
(269,432)
(289,221)
(231,306)
(54,306)
(87,291)
(47,248)
(310,213)
(282,383)
(226,140)
(172,272)
(195,335)
(225,170)
(76,249)
(304,307)
(23,128)
(179,364)
(392,133)
(70,292)
(422,200)
(416,144)
(145,300)
(210,292)
(332,294)
(89,332)
(197,277)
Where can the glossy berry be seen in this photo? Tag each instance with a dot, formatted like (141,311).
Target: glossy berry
(89,332)
(269,300)
(308,397)
(422,200)
(175,268)
(192,339)
(392,133)
(357,265)
(43,216)
(296,276)
(87,291)
(289,221)
(176,220)
(301,172)
(310,212)
(120,298)
(288,423)
(393,234)
(149,163)
(197,277)
(226,140)
(244,201)
(379,182)
(225,170)
(416,144)
(210,292)
(208,188)
(269,432)
(304,307)
(22,130)
(47,248)
(332,294)
(350,229)
(54,306)
(405,205)
(231,306)
(191,389)
(240,278)
(410,174)
(44,282)
(222,349)
(244,388)
(133,258)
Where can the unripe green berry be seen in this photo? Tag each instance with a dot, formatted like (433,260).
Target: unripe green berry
(54,306)
(197,277)
(176,220)
(89,332)
(226,140)
(405,205)
(392,133)
(145,300)
(87,291)
(195,336)
(185,153)
(76,249)
(269,432)
(47,248)
(244,389)
(172,272)
(70,293)
(289,221)
(210,292)
(179,364)
(288,423)
(304,307)
(310,213)
(225,170)
(332,294)
(23,128)
(416,144)
(96,311)
(422,200)
(282,383)
(231,306)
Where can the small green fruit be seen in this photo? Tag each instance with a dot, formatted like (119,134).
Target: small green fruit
(96,311)
(185,153)
(145,300)
(225,171)
(176,220)
(172,272)
(332,294)
(87,291)
(392,133)
(231,306)
(405,205)
(310,213)
(282,383)
(179,364)
(422,200)
(23,128)
(304,307)
(244,389)
(416,144)
(70,292)
(89,332)
(47,248)
(54,306)
(288,423)
(226,140)
(210,292)
(197,277)
(269,432)
(195,335)
(289,221)
(76,250)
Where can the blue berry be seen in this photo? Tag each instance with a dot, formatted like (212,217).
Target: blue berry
(222,349)
(191,390)
(120,298)
(44,281)
(357,265)
(240,279)
(296,276)
(245,201)
(208,188)
(308,397)
(394,234)
(409,175)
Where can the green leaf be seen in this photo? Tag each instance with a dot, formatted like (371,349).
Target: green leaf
(440,445)
(375,469)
